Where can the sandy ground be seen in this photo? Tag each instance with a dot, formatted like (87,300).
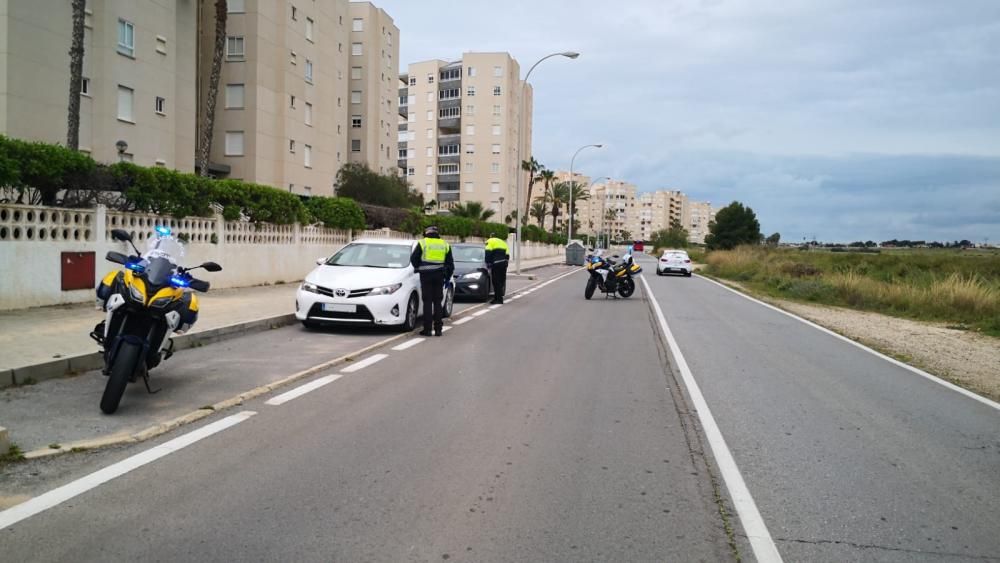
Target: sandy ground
(968,359)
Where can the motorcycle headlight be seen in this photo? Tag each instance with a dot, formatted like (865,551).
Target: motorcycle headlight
(162,302)
(310,287)
(386,289)
(472,276)
(136,294)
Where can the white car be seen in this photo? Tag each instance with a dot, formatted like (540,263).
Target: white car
(368,282)
(676,261)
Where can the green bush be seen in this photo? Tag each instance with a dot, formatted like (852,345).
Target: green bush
(336,212)
(45,167)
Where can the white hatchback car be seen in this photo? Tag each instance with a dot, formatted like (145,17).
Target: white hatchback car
(368,282)
(676,261)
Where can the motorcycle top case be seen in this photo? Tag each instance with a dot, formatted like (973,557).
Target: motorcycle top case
(635,269)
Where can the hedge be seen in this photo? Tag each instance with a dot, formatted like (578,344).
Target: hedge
(337,212)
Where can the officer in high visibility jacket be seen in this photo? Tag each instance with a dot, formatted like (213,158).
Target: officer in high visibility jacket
(432,259)
(496,259)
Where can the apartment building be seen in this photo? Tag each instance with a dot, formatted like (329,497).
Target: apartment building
(374,87)
(139,71)
(697,216)
(458,141)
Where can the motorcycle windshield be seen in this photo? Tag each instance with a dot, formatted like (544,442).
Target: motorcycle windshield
(159,270)
(163,255)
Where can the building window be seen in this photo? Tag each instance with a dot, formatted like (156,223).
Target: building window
(236,6)
(234,96)
(469,187)
(234,143)
(430,151)
(448,150)
(309,29)
(446,113)
(497,71)
(472,71)
(495,148)
(495,187)
(470,149)
(291,99)
(451,74)
(295,13)
(430,96)
(235,47)
(411,171)
(411,117)
(495,167)
(161,106)
(496,130)
(358,24)
(125,98)
(449,94)
(340,75)
(430,115)
(309,114)
(307,156)
(470,129)
(293,58)
(402,154)
(496,110)
(429,170)
(355,122)
(496,90)
(309,71)
(356,49)
(85,86)
(447,169)
(413,81)
(126,38)
(355,96)
(161,45)
(429,188)
(470,110)
(355,73)
(430,78)
(470,91)
(291,146)
(430,133)
(355,145)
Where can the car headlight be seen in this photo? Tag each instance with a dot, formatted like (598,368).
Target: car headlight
(310,287)
(386,289)
(137,294)
(472,276)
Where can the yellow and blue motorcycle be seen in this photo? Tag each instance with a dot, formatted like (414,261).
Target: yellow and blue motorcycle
(611,276)
(145,302)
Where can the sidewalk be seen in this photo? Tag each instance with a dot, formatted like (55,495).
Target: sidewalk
(31,337)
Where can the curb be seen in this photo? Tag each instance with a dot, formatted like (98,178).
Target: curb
(74,365)
(196,415)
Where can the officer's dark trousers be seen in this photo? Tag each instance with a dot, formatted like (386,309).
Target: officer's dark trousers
(498,271)
(432,290)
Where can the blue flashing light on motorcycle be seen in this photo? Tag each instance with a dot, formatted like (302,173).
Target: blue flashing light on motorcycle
(163,231)
(178,281)
(136,267)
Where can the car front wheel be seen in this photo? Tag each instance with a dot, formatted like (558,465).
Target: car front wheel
(410,316)
(449,302)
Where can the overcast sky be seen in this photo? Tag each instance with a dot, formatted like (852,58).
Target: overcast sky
(834,119)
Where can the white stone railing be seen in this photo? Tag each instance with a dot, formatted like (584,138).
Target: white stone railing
(43,224)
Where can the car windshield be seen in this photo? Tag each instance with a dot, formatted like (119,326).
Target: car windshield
(372,255)
(468,253)
(676,256)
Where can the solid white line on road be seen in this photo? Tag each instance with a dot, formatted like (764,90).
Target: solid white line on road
(753,523)
(61,494)
(408,344)
(494,307)
(480,313)
(463,320)
(302,390)
(358,366)
(893,361)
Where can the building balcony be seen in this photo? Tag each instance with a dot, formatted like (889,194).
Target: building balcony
(403,127)
(401,163)
(450,123)
(450,103)
(449,159)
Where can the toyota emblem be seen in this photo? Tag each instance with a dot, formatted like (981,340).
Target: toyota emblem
(340,292)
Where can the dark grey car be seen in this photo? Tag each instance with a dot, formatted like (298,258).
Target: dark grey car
(472,278)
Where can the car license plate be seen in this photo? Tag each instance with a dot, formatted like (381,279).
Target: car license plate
(340,308)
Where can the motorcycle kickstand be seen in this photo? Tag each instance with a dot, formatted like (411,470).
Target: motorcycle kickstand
(145,380)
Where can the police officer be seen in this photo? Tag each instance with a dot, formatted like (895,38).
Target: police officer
(496,258)
(433,261)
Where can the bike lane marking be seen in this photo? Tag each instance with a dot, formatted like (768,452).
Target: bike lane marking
(61,494)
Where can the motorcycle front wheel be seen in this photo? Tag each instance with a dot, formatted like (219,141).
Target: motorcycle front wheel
(626,287)
(125,361)
(591,287)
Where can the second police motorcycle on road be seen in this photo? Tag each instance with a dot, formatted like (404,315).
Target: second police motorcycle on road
(610,276)
(145,302)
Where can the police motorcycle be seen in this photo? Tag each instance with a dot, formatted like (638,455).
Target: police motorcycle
(612,276)
(145,302)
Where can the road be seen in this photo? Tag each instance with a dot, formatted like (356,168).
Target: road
(554,429)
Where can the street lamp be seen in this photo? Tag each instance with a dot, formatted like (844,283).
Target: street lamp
(501,208)
(520,137)
(569,230)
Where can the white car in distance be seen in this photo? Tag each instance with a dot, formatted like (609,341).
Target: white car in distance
(368,282)
(674,261)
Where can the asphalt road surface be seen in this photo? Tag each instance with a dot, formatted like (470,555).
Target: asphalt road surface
(555,429)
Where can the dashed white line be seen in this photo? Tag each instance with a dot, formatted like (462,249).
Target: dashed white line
(494,307)
(445,329)
(358,366)
(480,313)
(61,494)
(463,320)
(408,344)
(302,390)
(763,546)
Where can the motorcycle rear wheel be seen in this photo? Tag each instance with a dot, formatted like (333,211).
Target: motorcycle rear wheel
(626,287)
(125,361)
(591,287)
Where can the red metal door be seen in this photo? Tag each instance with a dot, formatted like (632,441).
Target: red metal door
(77,270)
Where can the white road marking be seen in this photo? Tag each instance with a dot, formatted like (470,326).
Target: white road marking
(480,313)
(408,344)
(463,320)
(445,329)
(893,361)
(763,546)
(61,494)
(301,390)
(358,366)
(495,307)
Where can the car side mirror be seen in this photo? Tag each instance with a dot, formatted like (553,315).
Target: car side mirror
(121,234)
(320,261)
(212,266)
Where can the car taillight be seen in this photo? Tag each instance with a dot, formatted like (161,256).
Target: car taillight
(687,261)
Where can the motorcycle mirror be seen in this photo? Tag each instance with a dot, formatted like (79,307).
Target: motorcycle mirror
(121,234)
(212,267)
(199,285)
(116,257)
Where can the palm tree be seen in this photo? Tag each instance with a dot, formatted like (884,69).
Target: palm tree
(539,211)
(205,147)
(580,193)
(557,195)
(532,167)
(75,76)
(472,210)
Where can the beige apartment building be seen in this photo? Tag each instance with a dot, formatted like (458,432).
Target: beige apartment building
(139,77)
(697,216)
(374,87)
(458,139)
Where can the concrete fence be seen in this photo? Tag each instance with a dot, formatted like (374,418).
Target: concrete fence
(52,256)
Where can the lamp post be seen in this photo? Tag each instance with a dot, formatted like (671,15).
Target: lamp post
(520,136)
(572,182)
(590,185)
(501,210)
